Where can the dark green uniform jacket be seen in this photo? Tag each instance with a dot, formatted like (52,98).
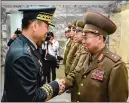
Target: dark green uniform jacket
(79,57)
(66,51)
(71,56)
(24,75)
(103,78)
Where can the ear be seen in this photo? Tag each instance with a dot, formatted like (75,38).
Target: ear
(34,26)
(100,37)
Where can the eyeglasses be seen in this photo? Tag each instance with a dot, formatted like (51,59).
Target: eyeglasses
(86,37)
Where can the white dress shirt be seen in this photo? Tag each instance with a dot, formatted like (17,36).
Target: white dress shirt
(53,48)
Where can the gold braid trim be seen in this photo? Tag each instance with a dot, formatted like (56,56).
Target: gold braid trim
(48,90)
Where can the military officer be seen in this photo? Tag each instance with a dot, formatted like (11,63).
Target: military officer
(104,76)
(70,32)
(68,43)
(78,39)
(70,49)
(24,79)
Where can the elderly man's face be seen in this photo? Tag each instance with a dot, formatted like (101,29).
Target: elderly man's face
(91,42)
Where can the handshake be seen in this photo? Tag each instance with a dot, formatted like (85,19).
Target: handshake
(61,83)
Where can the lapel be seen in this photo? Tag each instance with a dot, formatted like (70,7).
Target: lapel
(94,63)
(92,66)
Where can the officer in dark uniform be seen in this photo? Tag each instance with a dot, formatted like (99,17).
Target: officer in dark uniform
(24,79)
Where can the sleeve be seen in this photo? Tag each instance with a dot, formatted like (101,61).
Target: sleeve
(70,79)
(66,50)
(118,84)
(65,56)
(70,57)
(26,76)
(10,41)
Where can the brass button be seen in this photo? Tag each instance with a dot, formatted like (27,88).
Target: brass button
(81,84)
(85,76)
(79,93)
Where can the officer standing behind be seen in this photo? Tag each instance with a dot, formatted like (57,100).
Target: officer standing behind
(78,39)
(69,37)
(24,80)
(104,76)
(15,35)
(72,49)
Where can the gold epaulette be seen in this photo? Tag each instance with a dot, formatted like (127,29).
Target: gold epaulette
(114,57)
(48,89)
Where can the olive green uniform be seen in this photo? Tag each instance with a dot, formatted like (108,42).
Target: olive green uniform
(80,57)
(71,56)
(68,45)
(103,78)
(79,61)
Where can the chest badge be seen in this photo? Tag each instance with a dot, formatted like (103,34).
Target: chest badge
(28,49)
(98,74)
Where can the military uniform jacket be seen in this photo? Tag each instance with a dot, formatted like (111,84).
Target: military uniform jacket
(80,57)
(104,79)
(71,56)
(24,76)
(83,56)
(67,48)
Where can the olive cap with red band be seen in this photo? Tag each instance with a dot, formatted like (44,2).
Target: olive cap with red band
(98,24)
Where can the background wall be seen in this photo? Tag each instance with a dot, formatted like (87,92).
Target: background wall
(15,22)
(66,13)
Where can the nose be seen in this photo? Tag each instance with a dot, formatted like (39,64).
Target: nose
(83,41)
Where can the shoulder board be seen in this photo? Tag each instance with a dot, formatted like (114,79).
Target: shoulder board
(114,57)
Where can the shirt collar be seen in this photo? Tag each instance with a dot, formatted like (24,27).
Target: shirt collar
(95,56)
(32,43)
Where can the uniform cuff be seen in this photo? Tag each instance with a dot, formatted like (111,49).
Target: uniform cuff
(55,87)
(51,89)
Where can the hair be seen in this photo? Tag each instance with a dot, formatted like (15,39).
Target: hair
(51,34)
(26,22)
(104,38)
(17,32)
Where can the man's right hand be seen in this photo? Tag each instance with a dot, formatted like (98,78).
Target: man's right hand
(61,83)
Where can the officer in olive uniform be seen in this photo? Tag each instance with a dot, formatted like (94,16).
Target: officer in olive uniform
(24,79)
(104,76)
(71,32)
(79,27)
(68,43)
(82,57)
(72,49)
